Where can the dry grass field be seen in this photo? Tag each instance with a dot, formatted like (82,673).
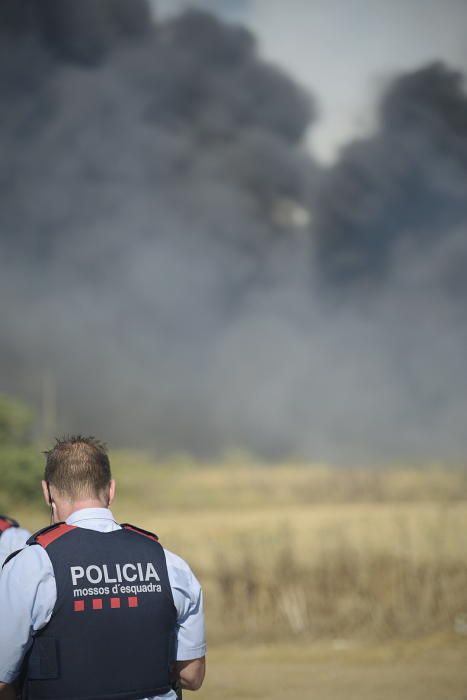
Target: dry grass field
(319,582)
(436,670)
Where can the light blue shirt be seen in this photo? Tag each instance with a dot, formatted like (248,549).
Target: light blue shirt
(28,594)
(11,540)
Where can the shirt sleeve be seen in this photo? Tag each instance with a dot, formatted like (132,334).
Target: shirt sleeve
(11,540)
(27,598)
(188,599)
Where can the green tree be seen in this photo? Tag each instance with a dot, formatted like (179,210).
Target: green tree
(16,420)
(20,462)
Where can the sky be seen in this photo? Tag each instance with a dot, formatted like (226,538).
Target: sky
(346,51)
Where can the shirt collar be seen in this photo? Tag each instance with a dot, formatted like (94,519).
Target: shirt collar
(89,514)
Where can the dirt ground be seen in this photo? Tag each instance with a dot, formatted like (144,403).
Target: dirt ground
(415,671)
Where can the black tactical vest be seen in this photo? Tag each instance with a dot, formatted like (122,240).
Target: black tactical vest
(112,631)
(6,523)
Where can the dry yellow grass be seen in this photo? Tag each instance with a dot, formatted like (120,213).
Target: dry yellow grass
(307,549)
(435,670)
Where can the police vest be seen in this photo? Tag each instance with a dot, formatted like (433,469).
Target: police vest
(112,633)
(6,523)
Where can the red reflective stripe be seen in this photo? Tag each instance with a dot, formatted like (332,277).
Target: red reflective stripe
(145,534)
(49,537)
(78,605)
(4,525)
(132,601)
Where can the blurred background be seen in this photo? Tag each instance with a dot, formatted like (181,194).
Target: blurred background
(233,244)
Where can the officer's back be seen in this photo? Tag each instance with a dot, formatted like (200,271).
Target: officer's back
(101,610)
(12,537)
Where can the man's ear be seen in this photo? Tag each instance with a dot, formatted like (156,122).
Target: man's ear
(112,488)
(46,492)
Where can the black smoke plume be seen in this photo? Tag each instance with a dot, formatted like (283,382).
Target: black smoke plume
(187,274)
(408,183)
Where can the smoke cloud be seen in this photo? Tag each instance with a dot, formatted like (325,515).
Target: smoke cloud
(191,278)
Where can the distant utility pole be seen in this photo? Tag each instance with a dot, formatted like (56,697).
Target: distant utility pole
(49,405)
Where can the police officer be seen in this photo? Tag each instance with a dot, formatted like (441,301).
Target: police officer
(92,609)
(12,537)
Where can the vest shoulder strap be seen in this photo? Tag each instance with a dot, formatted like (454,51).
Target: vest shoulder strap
(10,556)
(6,523)
(49,534)
(140,531)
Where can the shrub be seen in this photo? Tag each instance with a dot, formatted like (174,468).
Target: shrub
(20,473)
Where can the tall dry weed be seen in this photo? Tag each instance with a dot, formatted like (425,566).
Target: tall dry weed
(344,593)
